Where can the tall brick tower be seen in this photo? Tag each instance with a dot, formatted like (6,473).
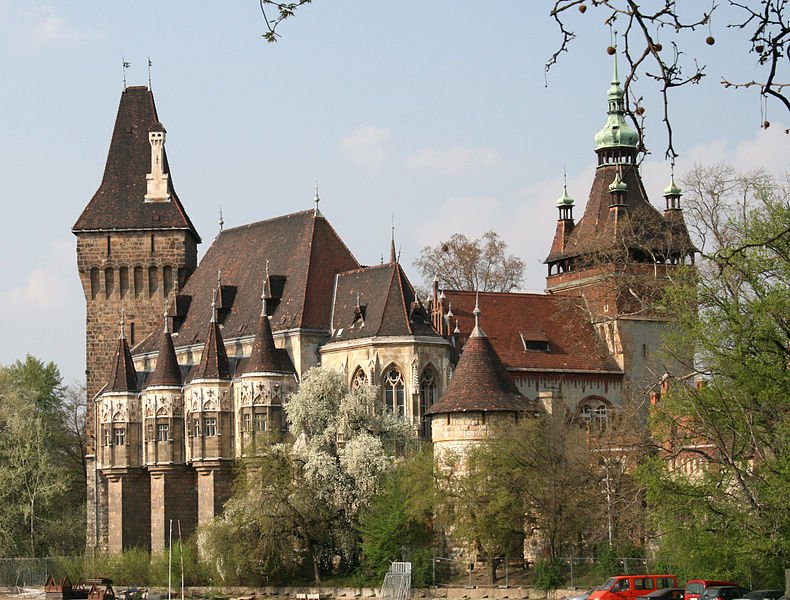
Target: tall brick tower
(135,247)
(620,253)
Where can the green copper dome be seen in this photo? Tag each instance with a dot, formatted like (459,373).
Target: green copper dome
(565,199)
(616,132)
(672,189)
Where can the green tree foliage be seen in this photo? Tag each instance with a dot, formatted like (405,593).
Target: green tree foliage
(398,523)
(41,486)
(298,504)
(718,486)
(478,265)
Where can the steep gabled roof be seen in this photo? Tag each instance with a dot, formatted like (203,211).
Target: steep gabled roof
(559,323)
(387,306)
(481,383)
(214,359)
(167,371)
(265,358)
(123,377)
(119,203)
(304,254)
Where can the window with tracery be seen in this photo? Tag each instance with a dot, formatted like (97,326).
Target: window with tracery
(394,395)
(359,379)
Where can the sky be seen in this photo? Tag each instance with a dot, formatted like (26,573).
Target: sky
(434,115)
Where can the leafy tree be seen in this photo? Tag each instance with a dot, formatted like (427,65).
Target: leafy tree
(300,504)
(478,265)
(398,523)
(717,488)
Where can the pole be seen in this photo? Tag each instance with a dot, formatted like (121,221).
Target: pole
(170,563)
(433,571)
(181,554)
(570,560)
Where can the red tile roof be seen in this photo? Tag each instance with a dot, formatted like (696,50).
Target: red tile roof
(119,203)
(214,359)
(167,371)
(481,383)
(594,232)
(513,319)
(265,358)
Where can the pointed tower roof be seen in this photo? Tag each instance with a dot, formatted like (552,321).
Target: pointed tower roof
(481,382)
(214,360)
(616,132)
(167,371)
(265,357)
(119,203)
(123,377)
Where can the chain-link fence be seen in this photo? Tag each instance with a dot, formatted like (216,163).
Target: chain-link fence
(28,572)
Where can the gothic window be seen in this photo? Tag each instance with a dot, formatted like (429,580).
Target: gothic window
(119,436)
(196,427)
(245,422)
(359,379)
(394,396)
(162,431)
(260,422)
(106,436)
(167,280)
(123,281)
(138,281)
(593,414)
(150,432)
(211,427)
(427,398)
(153,281)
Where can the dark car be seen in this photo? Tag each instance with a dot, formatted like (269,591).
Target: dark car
(663,594)
(765,595)
(723,592)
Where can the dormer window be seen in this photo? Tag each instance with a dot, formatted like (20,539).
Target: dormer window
(535,343)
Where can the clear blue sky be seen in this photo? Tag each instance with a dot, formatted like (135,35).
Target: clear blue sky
(434,113)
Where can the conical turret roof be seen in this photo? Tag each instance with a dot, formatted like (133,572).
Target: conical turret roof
(167,371)
(123,377)
(214,360)
(265,358)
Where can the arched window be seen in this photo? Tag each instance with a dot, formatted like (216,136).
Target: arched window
(593,413)
(427,398)
(359,379)
(394,397)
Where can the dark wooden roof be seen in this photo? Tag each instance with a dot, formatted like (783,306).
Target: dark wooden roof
(594,232)
(562,323)
(167,371)
(119,203)
(304,254)
(481,383)
(214,359)
(388,305)
(265,358)
(123,377)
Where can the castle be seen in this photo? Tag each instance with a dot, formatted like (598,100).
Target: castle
(188,364)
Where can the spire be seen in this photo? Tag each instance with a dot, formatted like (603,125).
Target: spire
(616,133)
(565,202)
(214,305)
(672,194)
(214,360)
(393,254)
(316,200)
(221,220)
(167,371)
(265,358)
(122,324)
(264,297)
(123,377)
(477,331)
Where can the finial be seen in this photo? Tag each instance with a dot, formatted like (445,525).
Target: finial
(149,73)
(316,199)
(267,270)
(450,314)
(615,78)
(357,305)
(457,329)
(214,305)
(219,279)
(264,312)
(393,255)
(221,220)
(122,323)
(477,331)
(167,322)
(125,65)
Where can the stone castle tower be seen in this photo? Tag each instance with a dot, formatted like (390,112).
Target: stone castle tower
(135,247)
(620,253)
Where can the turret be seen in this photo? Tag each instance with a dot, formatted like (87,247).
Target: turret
(267,377)
(616,142)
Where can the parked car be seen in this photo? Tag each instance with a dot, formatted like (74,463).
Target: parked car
(724,592)
(663,594)
(765,595)
(629,587)
(695,587)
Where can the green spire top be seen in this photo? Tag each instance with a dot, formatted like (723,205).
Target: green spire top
(618,185)
(672,189)
(565,199)
(616,132)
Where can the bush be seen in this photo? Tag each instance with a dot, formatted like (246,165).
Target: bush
(548,575)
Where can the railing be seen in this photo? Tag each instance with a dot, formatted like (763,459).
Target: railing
(397,582)
(24,572)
